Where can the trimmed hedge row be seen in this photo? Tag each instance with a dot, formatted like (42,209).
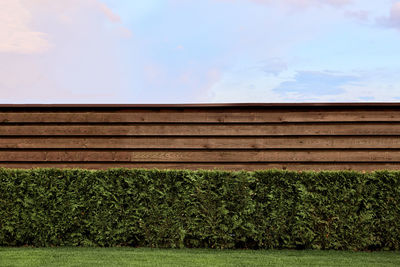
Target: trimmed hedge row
(213,209)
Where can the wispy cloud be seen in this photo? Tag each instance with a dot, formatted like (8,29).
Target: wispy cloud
(273,65)
(308,3)
(16,35)
(299,3)
(309,83)
(78,44)
(188,51)
(108,12)
(358,15)
(316,86)
(393,20)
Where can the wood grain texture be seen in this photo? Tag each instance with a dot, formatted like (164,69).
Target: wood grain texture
(211,116)
(204,156)
(232,137)
(206,142)
(206,129)
(359,166)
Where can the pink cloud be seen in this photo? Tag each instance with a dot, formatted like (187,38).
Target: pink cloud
(62,7)
(300,3)
(174,85)
(108,12)
(58,51)
(393,20)
(15,34)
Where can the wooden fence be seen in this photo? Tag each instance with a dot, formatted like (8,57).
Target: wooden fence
(362,136)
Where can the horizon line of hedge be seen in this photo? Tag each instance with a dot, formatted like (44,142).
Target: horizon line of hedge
(343,210)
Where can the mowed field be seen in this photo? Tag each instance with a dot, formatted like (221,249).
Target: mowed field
(190,257)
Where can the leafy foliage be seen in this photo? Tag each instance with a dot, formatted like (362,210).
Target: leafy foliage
(214,209)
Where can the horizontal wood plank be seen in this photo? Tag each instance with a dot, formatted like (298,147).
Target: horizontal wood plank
(205,129)
(204,156)
(364,166)
(231,138)
(199,117)
(287,142)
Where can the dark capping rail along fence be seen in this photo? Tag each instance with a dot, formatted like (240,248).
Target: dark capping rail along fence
(308,136)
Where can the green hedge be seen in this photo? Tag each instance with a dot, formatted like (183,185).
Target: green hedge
(213,209)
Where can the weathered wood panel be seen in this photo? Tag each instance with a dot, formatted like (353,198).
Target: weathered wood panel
(232,136)
(204,156)
(204,142)
(302,166)
(205,129)
(262,116)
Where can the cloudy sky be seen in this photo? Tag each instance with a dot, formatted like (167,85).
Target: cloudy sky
(191,51)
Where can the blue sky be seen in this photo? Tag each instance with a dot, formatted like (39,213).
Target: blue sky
(187,51)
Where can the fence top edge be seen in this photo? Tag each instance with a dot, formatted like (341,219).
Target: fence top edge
(215,105)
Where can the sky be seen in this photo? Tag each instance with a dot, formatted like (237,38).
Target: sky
(191,51)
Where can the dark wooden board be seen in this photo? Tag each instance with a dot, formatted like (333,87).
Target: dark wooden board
(359,166)
(205,129)
(204,156)
(207,142)
(359,136)
(199,117)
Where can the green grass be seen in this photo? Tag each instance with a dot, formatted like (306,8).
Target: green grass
(190,257)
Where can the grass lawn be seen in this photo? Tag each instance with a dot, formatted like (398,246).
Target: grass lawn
(190,257)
